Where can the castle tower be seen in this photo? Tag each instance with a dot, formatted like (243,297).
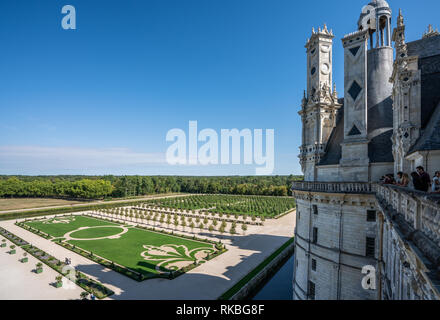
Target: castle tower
(336,225)
(368,114)
(320,102)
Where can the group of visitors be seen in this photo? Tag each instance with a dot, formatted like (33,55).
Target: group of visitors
(420,180)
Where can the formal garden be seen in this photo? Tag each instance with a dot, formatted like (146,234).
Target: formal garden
(135,251)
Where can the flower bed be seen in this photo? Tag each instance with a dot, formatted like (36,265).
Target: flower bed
(90,285)
(12,237)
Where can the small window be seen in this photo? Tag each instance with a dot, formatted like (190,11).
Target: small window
(315,209)
(313,265)
(299,215)
(371,215)
(370,247)
(311,290)
(315,235)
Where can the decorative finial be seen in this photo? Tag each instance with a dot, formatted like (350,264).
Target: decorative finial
(400,21)
(335,93)
(304,99)
(325,28)
(431,32)
(313,30)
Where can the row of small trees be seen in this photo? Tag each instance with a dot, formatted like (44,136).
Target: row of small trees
(184,222)
(250,205)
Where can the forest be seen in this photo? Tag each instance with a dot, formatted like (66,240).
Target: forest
(103,187)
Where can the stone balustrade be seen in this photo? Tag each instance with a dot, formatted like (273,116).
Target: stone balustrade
(420,210)
(333,187)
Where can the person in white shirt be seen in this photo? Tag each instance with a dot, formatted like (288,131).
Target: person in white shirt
(436,182)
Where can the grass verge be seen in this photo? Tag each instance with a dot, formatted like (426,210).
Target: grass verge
(240,284)
(44,212)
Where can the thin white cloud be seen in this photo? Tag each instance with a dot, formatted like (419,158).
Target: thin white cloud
(25,158)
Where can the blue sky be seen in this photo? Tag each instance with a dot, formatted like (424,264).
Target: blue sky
(101,99)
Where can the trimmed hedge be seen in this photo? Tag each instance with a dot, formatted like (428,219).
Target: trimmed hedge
(33,230)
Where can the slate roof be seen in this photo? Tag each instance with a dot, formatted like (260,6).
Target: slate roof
(333,151)
(430,139)
(380,115)
(423,48)
(380,148)
(428,51)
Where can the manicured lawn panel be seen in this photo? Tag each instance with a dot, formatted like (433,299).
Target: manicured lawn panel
(60,229)
(96,232)
(127,249)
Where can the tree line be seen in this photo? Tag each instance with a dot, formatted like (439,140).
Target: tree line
(98,187)
(40,188)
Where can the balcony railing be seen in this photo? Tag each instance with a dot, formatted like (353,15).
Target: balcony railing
(420,210)
(334,187)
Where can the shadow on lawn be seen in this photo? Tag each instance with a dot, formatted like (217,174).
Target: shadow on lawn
(193,285)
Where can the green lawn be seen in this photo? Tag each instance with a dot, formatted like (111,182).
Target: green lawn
(61,228)
(143,251)
(96,232)
(127,249)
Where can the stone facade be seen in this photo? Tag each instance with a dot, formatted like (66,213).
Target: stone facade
(345,220)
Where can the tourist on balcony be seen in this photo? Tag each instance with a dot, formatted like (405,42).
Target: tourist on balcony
(436,182)
(389,179)
(425,179)
(399,177)
(416,181)
(403,180)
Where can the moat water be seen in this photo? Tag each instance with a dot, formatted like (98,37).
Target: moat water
(279,287)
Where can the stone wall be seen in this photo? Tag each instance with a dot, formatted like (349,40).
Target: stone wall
(340,251)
